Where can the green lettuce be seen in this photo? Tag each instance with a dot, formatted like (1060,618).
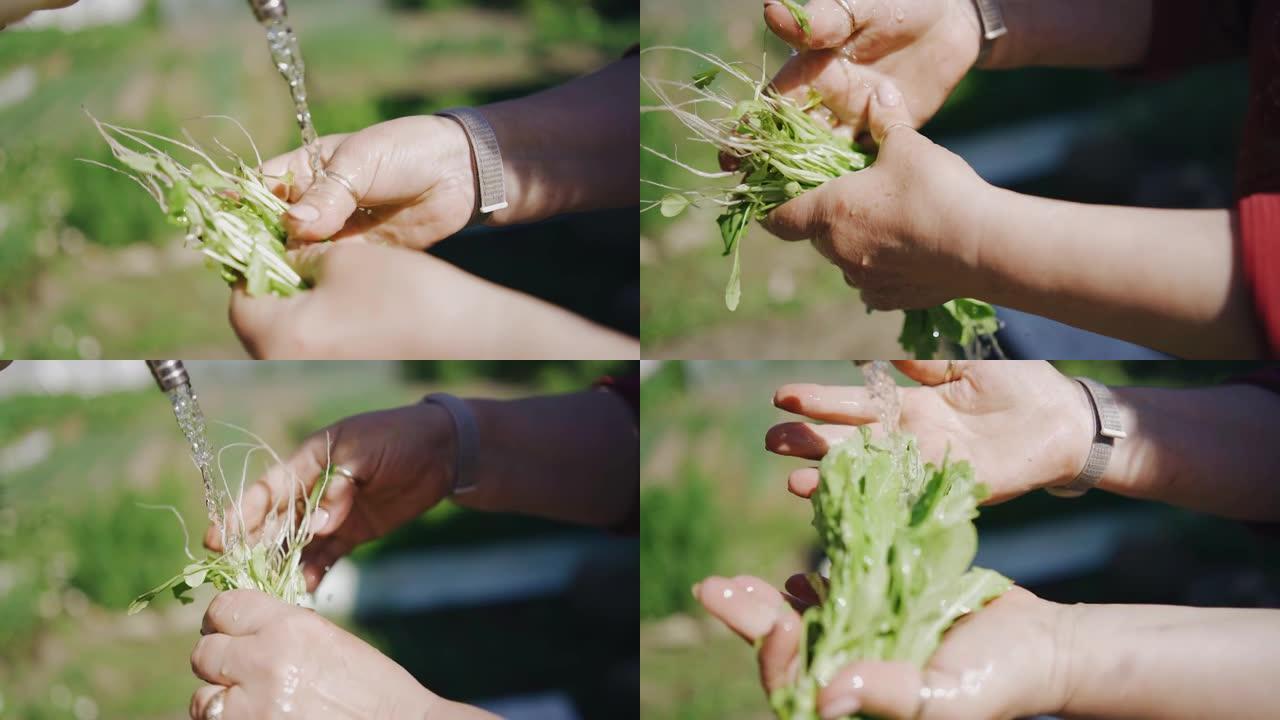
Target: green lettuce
(900,537)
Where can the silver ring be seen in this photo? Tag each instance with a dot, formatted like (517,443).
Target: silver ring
(344,182)
(894,126)
(214,709)
(346,472)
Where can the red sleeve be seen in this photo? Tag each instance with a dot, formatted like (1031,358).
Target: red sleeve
(1191,32)
(1260,251)
(628,388)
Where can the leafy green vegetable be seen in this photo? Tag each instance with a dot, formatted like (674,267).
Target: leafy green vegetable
(900,537)
(271,563)
(797,12)
(230,215)
(781,152)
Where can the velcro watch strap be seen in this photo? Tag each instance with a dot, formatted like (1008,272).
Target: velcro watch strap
(993,28)
(488,158)
(1107,429)
(466,449)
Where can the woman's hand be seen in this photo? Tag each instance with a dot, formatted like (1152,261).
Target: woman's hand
(377,302)
(923,46)
(410,183)
(1021,424)
(266,659)
(14,10)
(999,663)
(904,231)
(400,460)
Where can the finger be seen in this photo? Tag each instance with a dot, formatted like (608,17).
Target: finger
(830,24)
(828,403)
(805,440)
(932,372)
(279,489)
(803,217)
(240,612)
(325,206)
(256,319)
(845,87)
(235,704)
(211,660)
(318,558)
(889,690)
(887,113)
(778,651)
(750,614)
(801,588)
(296,166)
(803,482)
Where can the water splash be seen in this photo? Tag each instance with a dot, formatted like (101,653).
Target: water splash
(884,393)
(186,408)
(287,56)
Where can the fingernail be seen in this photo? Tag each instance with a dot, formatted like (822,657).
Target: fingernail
(304,213)
(319,519)
(888,95)
(840,707)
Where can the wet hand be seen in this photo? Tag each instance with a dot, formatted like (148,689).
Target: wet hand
(265,659)
(904,231)
(1023,424)
(407,181)
(924,46)
(998,663)
(400,463)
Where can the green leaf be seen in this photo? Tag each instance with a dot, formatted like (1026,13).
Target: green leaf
(733,290)
(193,575)
(733,226)
(705,78)
(206,176)
(673,204)
(797,12)
(256,281)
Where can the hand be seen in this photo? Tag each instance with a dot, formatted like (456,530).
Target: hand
(411,179)
(14,10)
(903,231)
(402,462)
(377,302)
(923,46)
(266,659)
(1001,662)
(1021,424)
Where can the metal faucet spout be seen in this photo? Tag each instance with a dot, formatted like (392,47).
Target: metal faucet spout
(268,10)
(169,374)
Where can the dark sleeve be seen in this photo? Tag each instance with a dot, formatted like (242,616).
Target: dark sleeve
(1185,33)
(628,389)
(1267,378)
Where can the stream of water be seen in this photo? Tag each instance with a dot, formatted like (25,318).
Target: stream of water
(878,375)
(186,408)
(287,56)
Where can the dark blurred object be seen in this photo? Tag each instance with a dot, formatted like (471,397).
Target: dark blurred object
(610,9)
(585,263)
(554,373)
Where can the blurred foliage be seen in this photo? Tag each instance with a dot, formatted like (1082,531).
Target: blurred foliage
(680,539)
(553,375)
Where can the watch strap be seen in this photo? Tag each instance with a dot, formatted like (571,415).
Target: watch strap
(492,187)
(991,17)
(466,440)
(1107,429)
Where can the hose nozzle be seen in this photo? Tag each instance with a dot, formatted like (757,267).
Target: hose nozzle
(268,10)
(169,374)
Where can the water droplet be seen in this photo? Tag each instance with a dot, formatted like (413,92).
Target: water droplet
(899,15)
(728,593)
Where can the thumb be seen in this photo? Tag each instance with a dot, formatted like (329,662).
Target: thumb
(888,690)
(325,207)
(804,217)
(887,112)
(255,319)
(829,23)
(931,372)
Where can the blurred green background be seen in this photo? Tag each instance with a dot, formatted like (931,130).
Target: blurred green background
(88,266)
(713,501)
(1073,134)
(81,444)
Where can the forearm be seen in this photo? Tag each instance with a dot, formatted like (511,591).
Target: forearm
(571,148)
(1171,663)
(1208,449)
(1167,279)
(1063,33)
(568,457)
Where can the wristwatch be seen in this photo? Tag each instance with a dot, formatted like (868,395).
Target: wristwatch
(466,449)
(1107,429)
(486,155)
(991,16)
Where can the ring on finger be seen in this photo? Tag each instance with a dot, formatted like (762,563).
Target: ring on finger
(345,182)
(894,126)
(213,711)
(346,472)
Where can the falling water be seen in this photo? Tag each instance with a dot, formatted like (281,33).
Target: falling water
(186,408)
(884,392)
(287,57)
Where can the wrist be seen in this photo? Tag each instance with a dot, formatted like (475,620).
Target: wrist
(489,492)
(1077,411)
